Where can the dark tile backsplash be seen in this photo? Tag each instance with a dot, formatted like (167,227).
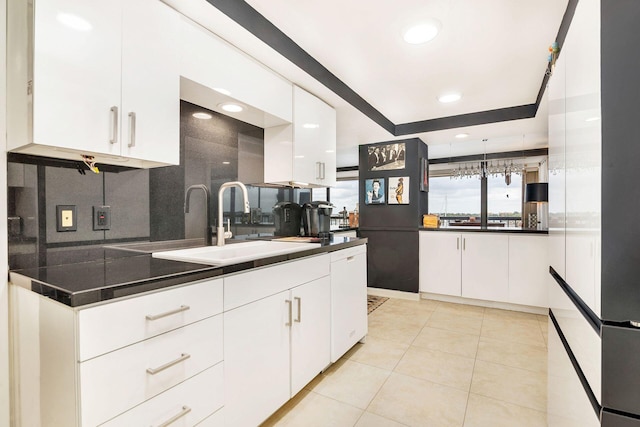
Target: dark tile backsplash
(145,204)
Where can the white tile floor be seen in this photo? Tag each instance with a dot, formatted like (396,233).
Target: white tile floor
(430,363)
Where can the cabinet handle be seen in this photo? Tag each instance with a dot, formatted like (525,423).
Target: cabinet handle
(182,358)
(299,309)
(318,169)
(464,243)
(185,410)
(167,313)
(132,129)
(288,301)
(457,243)
(351,258)
(114,125)
(323,170)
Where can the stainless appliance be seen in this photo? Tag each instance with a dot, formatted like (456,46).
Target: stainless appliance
(316,218)
(287,218)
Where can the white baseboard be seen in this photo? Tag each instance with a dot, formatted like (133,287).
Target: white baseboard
(482,303)
(390,293)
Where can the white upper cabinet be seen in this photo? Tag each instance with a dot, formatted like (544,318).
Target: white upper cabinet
(303,153)
(215,72)
(95,78)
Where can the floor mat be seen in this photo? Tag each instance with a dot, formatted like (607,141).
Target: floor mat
(374,302)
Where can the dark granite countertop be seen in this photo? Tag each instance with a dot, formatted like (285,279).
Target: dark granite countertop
(471,229)
(112,273)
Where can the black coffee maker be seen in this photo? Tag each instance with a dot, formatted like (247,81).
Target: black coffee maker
(316,219)
(287,218)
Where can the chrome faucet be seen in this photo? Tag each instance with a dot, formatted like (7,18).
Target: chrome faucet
(220,233)
(207,231)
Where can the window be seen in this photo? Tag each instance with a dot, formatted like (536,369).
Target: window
(504,202)
(345,194)
(454,199)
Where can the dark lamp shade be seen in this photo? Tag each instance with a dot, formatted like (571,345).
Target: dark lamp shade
(537,192)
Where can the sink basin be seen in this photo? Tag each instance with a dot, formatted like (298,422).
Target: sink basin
(166,245)
(234,253)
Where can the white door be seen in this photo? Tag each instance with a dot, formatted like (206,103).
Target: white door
(150,113)
(348,303)
(310,332)
(256,360)
(440,258)
(485,266)
(528,270)
(77,74)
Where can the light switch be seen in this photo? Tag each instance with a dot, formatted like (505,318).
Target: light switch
(66,218)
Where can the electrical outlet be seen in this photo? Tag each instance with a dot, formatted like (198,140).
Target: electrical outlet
(102,217)
(66,218)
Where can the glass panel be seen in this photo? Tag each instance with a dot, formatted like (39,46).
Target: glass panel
(454,199)
(504,202)
(345,194)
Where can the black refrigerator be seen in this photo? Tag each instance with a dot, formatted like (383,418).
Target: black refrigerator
(393,180)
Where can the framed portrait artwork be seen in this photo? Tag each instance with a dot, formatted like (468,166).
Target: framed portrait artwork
(386,156)
(398,190)
(374,191)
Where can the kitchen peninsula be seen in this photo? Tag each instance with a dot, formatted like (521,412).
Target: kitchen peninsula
(129,339)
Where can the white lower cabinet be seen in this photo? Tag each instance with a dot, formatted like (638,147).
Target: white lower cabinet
(348,299)
(186,404)
(485,270)
(274,347)
(498,267)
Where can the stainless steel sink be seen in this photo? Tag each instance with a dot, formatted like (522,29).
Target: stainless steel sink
(235,253)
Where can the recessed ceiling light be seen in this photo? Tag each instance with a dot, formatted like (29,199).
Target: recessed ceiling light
(449,97)
(462,135)
(231,107)
(311,126)
(226,163)
(203,116)
(423,32)
(222,91)
(592,119)
(74,22)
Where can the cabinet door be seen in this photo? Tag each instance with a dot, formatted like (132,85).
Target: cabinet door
(314,137)
(485,266)
(256,360)
(528,270)
(150,112)
(77,74)
(440,268)
(348,302)
(310,332)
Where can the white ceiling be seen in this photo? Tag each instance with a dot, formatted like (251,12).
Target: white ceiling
(493,51)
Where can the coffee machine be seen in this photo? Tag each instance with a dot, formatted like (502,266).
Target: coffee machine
(287,219)
(316,219)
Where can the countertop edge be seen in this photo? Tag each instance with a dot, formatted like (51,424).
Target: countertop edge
(486,230)
(90,296)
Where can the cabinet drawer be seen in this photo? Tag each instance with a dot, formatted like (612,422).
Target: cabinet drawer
(115,382)
(114,325)
(244,288)
(192,401)
(349,252)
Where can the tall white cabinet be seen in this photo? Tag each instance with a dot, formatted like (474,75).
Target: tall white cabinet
(303,153)
(88,78)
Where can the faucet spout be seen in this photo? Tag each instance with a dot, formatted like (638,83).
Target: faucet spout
(208,240)
(220,233)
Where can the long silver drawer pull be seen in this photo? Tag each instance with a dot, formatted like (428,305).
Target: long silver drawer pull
(176,417)
(182,358)
(457,243)
(299,309)
(167,313)
(114,124)
(288,301)
(132,129)
(351,258)
(464,244)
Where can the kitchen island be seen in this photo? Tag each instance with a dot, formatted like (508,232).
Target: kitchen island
(129,339)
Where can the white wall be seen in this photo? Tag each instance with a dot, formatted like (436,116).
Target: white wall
(4,261)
